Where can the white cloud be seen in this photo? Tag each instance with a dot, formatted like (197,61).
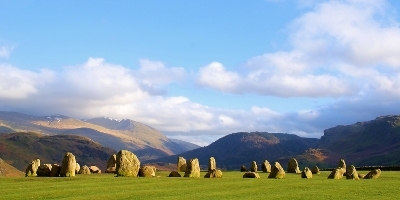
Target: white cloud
(216,76)
(5,51)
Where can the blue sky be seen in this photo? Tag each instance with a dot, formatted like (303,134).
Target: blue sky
(200,70)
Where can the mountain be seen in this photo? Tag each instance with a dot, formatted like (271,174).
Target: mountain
(7,170)
(19,149)
(242,148)
(117,134)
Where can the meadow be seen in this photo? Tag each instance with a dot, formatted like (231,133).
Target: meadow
(231,186)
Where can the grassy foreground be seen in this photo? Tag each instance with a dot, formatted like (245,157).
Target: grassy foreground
(231,186)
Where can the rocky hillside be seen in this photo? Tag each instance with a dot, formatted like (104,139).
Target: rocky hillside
(238,149)
(117,134)
(19,149)
(7,170)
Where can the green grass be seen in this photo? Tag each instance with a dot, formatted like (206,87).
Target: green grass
(231,186)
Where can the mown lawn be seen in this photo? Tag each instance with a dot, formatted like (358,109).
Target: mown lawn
(231,186)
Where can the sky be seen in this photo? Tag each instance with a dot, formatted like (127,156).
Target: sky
(199,70)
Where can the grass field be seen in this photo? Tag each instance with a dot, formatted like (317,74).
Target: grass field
(231,186)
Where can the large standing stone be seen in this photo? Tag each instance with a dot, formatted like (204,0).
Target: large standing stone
(266,167)
(181,164)
(127,164)
(84,170)
(77,168)
(212,164)
(293,166)
(306,173)
(94,169)
(277,171)
(337,173)
(147,171)
(243,168)
(373,174)
(55,170)
(174,174)
(192,168)
(342,166)
(251,175)
(253,166)
(111,164)
(32,168)
(44,170)
(315,170)
(215,173)
(351,173)
(68,165)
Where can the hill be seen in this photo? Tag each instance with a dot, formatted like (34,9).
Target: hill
(19,149)
(7,170)
(238,149)
(113,133)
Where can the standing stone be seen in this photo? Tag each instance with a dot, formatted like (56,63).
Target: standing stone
(147,171)
(374,174)
(253,166)
(337,173)
(251,175)
(111,164)
(44,170)
(266,167)
(215,173)
(361,176)
(293,166)
(192,168)
(94,169)
(315,170)
(243,168)
(277,171)
(55,170)
(127,164)
(68,165)
(181,164)
(212,165)
(78,167)
(32,168)
(306,173)
(174,174)
(351,173)
(84,170)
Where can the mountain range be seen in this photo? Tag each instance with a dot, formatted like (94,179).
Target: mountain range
(117,134)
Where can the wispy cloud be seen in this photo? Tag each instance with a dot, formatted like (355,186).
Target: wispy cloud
(6,50)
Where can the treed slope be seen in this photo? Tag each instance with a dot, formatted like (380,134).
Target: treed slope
(238,149)
(7,170)
(375,142)
(19,149)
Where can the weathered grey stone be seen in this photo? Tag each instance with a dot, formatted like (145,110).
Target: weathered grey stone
(192,168)
(337,173)
(68,165)
(243,168)
(44,170)
(361,176)
(77,168)
(373,174)
(84,170)
(351,173)
(174,174)
(342,166)
(181,164)
(293,166)
(55,170)
(215,173)
(212,164)
(147,171)
(253,166)
(306,173)
(32,168)
(127,164)
(266,167)
(111,164)
(94,169)
(315,170)
(251,175)
(277,171)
